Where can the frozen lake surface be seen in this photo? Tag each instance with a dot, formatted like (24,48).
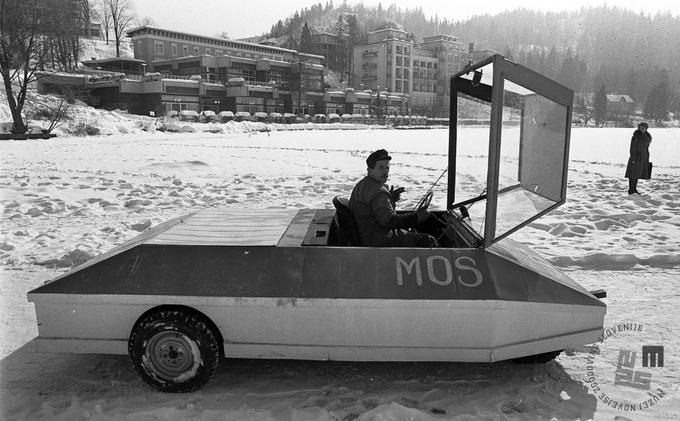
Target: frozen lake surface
(68,199)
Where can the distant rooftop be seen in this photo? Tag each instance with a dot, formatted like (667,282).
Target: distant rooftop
(619,98)
(212,40)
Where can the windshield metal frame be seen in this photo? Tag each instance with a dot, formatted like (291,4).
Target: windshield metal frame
(503,69)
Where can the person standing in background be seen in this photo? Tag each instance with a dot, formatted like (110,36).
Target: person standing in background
(638,163)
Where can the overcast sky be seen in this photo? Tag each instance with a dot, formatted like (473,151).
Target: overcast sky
(248,18)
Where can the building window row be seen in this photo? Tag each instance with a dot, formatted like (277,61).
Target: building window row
(421,74)
(187,50)
(422,63)
(403,50)
(401,86)
(424,87)
(212,41)
(403,61)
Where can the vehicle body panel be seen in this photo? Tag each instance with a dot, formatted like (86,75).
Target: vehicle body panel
(325,302)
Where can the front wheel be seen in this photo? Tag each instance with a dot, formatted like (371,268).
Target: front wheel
(174,350)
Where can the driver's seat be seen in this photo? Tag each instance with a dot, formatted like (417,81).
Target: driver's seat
(348,233)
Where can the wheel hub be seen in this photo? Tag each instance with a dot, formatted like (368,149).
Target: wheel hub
(170,354)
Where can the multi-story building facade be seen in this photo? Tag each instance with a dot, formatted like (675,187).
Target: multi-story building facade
(264,78)
(394,62)
(333,48)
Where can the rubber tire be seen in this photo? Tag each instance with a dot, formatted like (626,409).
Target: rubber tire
(174,329)
(538,358)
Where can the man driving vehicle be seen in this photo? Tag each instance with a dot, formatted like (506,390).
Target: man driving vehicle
(373,207)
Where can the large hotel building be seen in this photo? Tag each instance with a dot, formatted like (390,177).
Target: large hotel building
(394,62)
(177,71)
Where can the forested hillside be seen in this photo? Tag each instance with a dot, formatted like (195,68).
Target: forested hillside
(626,52)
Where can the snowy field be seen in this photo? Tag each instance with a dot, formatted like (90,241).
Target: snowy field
(68,199)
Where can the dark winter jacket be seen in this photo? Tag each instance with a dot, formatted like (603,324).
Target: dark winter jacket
(639,155)
(375,214)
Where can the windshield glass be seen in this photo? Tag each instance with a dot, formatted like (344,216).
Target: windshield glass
(472,157)
(532,156)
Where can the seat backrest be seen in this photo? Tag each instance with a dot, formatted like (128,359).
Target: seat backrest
(346,223)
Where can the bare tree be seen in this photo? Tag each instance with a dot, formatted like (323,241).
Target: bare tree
(67,23)
(104,15)
(146,21)
(122,17)
(20,49)
(86,10)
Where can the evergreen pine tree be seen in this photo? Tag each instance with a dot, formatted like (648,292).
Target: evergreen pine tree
(568,74)
(675,106)
(658,99)
(306,39)
(508,53)
(600,107)
(551,65)
(632,85)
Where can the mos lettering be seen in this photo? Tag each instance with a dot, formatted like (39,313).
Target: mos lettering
(439,270)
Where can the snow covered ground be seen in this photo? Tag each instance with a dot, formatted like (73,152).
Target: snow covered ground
(65,200)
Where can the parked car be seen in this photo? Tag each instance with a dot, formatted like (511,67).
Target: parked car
(226,116)
(188,115)
(242,116)
(261,116)
(209,116)
(276,117)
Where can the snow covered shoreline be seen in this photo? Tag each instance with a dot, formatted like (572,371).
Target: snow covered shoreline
(68,199)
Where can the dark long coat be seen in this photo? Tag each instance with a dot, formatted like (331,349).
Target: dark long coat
(639,155)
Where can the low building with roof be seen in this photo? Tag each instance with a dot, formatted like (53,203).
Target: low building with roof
(620,105)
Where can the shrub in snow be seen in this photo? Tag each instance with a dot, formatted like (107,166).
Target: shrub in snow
(168,127)
(83,128)
(51,113)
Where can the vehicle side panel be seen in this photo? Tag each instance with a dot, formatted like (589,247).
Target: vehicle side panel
(317,272)
(355,329)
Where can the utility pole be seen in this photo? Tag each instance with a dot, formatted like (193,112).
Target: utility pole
(299,93)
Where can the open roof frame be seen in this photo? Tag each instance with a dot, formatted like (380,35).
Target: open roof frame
(503,70)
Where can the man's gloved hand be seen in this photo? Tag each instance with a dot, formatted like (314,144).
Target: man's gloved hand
(395,194)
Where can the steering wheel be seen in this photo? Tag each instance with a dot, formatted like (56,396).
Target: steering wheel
(424,202)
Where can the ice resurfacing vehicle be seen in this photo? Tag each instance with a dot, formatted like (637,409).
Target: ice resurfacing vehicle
(298,284)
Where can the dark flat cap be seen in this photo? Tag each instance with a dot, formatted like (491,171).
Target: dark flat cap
(379,155)
(643,124)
